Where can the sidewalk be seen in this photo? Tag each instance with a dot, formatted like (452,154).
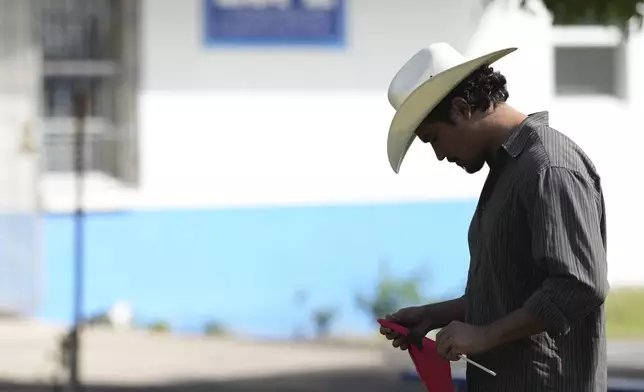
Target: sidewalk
(626,359)
(138,358)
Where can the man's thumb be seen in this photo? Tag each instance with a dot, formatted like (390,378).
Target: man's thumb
(422,328)
(404,318)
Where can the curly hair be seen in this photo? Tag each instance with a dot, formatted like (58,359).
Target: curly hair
(482,89)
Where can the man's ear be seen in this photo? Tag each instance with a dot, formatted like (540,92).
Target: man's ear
(461,111)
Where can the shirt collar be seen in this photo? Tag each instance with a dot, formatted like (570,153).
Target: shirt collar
(517,139)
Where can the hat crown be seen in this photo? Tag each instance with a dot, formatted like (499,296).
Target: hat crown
(424,65)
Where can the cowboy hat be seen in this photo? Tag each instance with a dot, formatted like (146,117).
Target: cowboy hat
(420,85)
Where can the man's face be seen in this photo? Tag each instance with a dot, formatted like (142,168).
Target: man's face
(459,143)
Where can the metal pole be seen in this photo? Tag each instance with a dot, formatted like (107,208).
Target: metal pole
(80,109)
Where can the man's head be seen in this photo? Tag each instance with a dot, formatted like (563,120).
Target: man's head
(456,127)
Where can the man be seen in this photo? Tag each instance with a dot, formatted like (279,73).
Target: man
(533,305)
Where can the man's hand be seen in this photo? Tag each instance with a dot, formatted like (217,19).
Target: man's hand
(414,318)
(459,338)
(422,319)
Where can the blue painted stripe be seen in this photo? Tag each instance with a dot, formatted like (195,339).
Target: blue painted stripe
(243,266)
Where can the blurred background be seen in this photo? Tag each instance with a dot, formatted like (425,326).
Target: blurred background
(241,228)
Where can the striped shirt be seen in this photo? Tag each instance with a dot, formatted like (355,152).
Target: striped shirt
(538,242)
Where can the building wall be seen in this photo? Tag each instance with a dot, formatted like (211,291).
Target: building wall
(263,171)
(20,270)
(280,125)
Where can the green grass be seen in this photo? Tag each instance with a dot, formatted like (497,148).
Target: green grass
(625,314)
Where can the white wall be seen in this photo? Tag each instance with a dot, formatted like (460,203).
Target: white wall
(285,126)
(609,130)
(19,213)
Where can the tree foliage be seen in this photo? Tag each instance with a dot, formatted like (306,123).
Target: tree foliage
(322,320)
(391,293)
(603,12)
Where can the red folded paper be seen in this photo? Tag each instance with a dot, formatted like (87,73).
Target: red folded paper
(434,371)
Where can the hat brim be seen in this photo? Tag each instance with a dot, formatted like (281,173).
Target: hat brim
(423,100)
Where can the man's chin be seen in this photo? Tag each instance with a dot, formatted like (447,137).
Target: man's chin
(472,169)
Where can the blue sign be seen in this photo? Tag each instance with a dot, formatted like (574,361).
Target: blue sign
(274,22)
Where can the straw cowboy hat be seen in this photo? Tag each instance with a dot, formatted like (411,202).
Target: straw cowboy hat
(420,85)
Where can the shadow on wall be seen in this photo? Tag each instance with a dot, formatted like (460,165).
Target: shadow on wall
(242,266)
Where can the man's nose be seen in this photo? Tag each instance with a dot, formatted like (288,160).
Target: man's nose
(439,155)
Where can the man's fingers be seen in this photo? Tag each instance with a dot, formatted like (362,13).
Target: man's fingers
(392,335)
(444,352)
(389,333)
(443,332)
(448,350)
(400,343)
(443,346)
(452,357)
(397,342)
(395,318)
(440,336)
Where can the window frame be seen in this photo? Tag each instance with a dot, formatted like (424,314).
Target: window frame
(119,121)
(592,36)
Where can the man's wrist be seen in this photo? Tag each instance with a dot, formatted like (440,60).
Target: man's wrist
(433,319)
(442,313)
(492,335)
(517,325)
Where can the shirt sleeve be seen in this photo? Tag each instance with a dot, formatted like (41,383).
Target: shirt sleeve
(568,232)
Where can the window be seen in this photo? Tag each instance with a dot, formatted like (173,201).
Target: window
(589,61)
(59,91)
(586,71)
(79,29)
(89,46)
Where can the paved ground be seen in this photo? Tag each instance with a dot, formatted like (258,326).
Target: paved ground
(314,382)
(138,361)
